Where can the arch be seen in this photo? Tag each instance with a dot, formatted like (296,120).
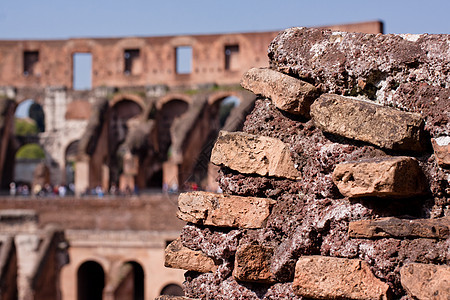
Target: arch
(70,158)
(90,281)
(127,96)
(213,98)
(29,109)
(170,110)
(138,281)
(163,100)
(172,289)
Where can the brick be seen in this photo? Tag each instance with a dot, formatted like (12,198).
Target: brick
(368,122)
(252,264)
(321,277)
(400,228)
(224,210)
(424,281)
(179,257)
(441,147)
(253,154)
(287,93)
(398,177)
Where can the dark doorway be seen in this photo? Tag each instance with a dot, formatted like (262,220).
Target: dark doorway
(91,281)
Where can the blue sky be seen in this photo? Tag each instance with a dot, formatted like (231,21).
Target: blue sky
(59,19)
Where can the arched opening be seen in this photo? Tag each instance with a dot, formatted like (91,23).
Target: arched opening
(131,282)
(27,159)
(170,111)
(70,160)
(30,118)
(123,118)
(218,114)
(172,290)
(90,281)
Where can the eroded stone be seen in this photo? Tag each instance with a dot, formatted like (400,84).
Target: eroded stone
(424,281)
(368,122)
(322,277)
(224,210)
(179,257)
(400,228)
(287,93)
(441,147)
(253,154)
(380,177)
(252,264)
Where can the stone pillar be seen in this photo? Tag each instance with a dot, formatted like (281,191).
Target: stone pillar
(81,176)
(170,176)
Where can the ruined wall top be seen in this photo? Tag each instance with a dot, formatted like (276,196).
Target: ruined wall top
(141,61)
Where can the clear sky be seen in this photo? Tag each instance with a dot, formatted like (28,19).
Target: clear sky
(60,19)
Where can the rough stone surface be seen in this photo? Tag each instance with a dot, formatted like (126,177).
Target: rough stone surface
(400,228)
(426,281)
(409,72)
(381,177)
(252,264)
(179,257)
(252,154)
(322,277)
(441,147)
(287,93)
(311,216)
(224,210)
(364,121)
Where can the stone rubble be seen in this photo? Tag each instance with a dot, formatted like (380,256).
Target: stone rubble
(357,189)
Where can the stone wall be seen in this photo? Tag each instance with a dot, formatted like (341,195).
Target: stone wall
(338,186)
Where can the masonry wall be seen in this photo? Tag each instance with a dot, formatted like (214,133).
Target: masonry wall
(338,185)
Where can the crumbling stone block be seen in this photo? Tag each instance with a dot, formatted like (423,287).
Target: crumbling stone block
(224,210)
(364,121)
(441,147)
(287,93)
(321,277)
(400,228)
(380,177)
(252,264)
(179,257)
(253,154)
(424,281)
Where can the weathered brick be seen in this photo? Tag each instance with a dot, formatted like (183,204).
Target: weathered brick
(400,228)
(364,121)
(381,177)
(321,277)
(224,210)
(441,147)
(252,264)
(253,154)
(287,93)
(179,257)
(424,281)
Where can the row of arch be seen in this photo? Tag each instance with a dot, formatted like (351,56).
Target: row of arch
(91,282)
(128,110)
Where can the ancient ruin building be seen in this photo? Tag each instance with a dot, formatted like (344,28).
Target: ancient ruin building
(148,121)
(338,186)
(147,115)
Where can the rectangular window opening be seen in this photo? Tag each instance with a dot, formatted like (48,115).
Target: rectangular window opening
(82,71)
(30,62)
(183,61)
(232,57)
(132,62)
